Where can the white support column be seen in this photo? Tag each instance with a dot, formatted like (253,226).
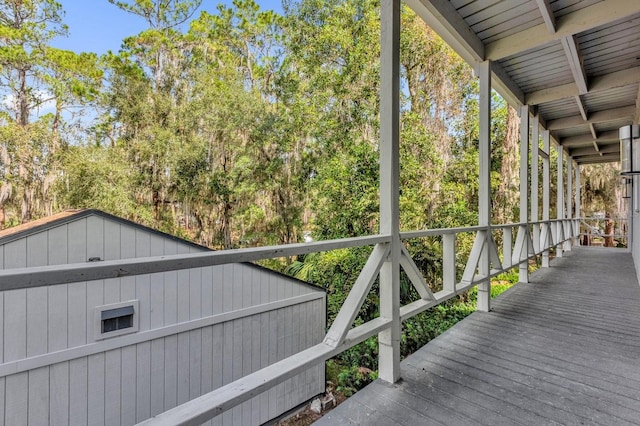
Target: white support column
(546,143)
(389,339)
(578,201)
(569,200)
(524,183)
(535,187)
(484,195)
(630,214)
(449,262)
(507,246)
(560,198)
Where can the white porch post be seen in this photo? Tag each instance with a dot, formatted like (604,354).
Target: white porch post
(484,192)
(535,149)
(560,199)
(577,203)
(630,211)
(569,200)
(524,184)
(389,339)
(546,142)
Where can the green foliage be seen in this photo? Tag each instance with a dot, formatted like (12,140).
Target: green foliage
(97,177)
(419,330)
(499,285)
(160,14)
(349,379)
(38,84)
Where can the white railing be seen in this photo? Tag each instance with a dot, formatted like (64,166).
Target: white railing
(532,239)
(595,228)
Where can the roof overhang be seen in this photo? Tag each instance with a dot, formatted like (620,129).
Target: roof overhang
(576,63)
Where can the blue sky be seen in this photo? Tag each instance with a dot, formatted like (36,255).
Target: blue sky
(98,26)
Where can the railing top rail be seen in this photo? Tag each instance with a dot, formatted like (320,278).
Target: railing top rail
(439,231)
(63,274)
(507,225)
(11,279)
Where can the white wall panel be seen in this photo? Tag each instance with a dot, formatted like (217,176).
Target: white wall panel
(16,399)
(183,368)
(112,387)
(39,396)
(195,363)
(78,392)
(143,381)
(15,325)
(59,394)
(36,321)
(77,242)
(170,372)
(96,377)
(37,250)
(15,254)
(128,390)
(157,376)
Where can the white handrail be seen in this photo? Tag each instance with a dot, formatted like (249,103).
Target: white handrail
(342,336)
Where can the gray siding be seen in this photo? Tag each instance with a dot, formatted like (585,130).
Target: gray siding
(198,330)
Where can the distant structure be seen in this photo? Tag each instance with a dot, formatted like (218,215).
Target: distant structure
(119,351)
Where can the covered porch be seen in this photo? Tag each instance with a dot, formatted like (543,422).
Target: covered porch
(561,349)
(572,70)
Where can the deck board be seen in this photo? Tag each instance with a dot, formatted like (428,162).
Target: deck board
(562,349)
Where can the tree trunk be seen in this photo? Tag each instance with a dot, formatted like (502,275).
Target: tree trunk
(23,101)
(507,193)
(226,225)
(608,232)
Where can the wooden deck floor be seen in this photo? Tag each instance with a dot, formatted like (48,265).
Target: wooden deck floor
(563,349)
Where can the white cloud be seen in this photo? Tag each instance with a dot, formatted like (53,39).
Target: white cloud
(44,99)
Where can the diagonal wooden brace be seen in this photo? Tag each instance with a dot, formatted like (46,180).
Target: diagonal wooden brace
(351,306)
(415,276)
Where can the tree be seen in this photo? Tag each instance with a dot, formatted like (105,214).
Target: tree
(153,46)
(35,79)
(601,190)
(147,97)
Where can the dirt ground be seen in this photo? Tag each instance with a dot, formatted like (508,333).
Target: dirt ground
(305,417)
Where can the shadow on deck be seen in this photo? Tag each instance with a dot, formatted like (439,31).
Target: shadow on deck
(564,348)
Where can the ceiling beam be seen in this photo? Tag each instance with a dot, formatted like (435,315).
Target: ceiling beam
(547,15)
(603,137)
(576,22)
(603,82)
(556,93)
(582,108)
(572,51)
(614,156)
(445,20)
(596,117)
(598,159)
(636,119)
(507,88)
(608,149)
(592,128)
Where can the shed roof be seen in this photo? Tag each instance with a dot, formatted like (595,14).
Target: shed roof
(575,62)
(33,227)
